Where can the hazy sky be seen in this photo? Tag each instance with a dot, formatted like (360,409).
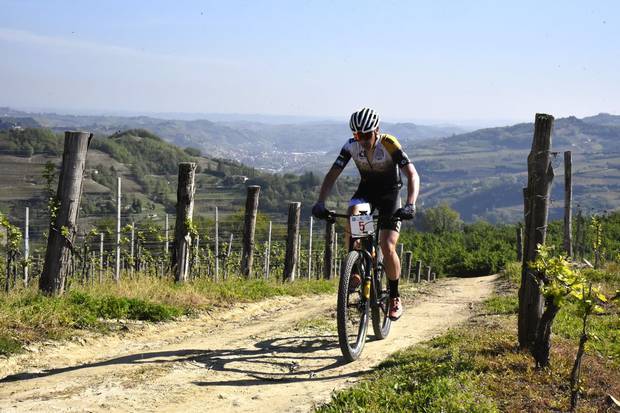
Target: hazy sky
(433,60)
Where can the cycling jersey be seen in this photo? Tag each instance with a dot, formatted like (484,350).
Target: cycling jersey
(382,173)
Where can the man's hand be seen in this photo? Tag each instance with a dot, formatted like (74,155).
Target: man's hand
(406,212)
(319,210)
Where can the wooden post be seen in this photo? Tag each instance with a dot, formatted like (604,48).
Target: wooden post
(63,226)
(117,271)
(328,270)
(26,246)
(400,249)
(7,286)
(299,260)
(249,227)
(578,247)
(227,258)
(166,236)
(196,261)
(428,273)
(268,253)
(217,245)
(91,268)
(100,257)
(266,260)
(290,260)
(406,270)
(131,250)
(185,214)
(418,271)
(310,247)
(336,262)
(568,203)
(536,200)
(519,230)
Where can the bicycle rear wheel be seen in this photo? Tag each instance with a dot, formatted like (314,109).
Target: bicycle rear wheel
(380,308)
(352,311)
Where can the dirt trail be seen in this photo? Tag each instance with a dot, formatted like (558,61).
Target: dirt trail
(257,357)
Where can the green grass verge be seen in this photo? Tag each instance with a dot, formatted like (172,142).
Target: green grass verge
(502,305)
(27,316)
(432,378)
(479,367)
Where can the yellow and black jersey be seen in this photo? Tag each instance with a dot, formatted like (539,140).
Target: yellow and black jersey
(383,171)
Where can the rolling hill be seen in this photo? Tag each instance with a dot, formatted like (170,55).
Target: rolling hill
(261,145)
(148,167)
(479,173)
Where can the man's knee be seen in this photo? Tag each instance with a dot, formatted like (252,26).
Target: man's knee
(388,249)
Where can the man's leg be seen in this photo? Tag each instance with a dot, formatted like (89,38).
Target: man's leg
(388,239)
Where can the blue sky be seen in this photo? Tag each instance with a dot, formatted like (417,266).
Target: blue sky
(432,61)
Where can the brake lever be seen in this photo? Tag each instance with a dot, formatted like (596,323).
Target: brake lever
(330,216)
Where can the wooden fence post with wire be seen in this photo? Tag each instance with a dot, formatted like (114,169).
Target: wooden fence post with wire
(536,202)
(328,269)
(290,260)
(519,242)
(418,271)
(64,213)
(406,270)
(249,227)
(183,226)
(568,203)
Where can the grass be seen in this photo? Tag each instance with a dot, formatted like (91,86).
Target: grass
(502,305)
(26,316)
(479,367)
(431,378)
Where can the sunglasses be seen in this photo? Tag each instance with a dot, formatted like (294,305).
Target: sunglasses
(359,136)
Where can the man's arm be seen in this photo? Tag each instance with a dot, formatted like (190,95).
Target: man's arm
(413,183)
(328,182)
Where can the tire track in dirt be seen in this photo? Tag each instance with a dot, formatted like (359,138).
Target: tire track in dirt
(251,358)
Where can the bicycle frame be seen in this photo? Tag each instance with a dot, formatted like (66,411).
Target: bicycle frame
(369,261)
(370,302)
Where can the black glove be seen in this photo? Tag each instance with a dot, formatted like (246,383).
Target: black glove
(319,210)
(406,212)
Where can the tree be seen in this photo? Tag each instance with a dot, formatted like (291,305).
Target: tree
(441,219)
(192,151)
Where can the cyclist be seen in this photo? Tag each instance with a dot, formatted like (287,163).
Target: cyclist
(380,160)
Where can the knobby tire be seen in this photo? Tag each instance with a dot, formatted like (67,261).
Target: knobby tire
(380,307)
(345,311)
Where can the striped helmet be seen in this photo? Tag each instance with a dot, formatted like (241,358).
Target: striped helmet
(364,120)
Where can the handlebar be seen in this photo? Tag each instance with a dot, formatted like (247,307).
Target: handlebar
(331,215)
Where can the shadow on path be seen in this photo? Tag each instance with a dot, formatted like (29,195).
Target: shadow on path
(281,358)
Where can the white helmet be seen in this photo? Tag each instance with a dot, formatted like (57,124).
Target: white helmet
(364,120)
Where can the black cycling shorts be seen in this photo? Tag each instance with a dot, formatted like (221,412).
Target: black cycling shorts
(386,203)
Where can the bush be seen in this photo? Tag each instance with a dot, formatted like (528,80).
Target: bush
(479,249)
(88,309)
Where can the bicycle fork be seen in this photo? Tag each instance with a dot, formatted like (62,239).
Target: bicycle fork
(367,276)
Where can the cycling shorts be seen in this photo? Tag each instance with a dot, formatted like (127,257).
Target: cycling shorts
(386,203)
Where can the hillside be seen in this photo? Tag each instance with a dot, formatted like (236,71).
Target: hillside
(148,166)
(492,168)
(261,145)
(482,173)
(479,173)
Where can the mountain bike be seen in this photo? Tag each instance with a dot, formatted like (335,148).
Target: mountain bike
(368,300)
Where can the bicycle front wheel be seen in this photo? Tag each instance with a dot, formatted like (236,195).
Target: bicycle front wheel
(381,322)
(353,307)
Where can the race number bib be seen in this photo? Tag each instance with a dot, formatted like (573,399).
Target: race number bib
(361,226)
